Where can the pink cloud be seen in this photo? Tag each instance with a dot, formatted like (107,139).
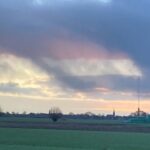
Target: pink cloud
(75,49)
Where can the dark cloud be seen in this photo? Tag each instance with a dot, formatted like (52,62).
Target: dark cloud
(14,88)
(122,25)
(28,29)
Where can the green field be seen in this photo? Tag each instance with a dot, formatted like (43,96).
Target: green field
(17,119)
(32,139)
(81,121)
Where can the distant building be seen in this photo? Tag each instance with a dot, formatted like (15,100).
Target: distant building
(139,113)
(111,116)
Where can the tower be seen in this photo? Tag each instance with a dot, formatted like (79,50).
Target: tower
(139,96)
(114,113)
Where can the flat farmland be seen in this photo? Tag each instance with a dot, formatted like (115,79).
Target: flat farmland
(74,124)
(45,139)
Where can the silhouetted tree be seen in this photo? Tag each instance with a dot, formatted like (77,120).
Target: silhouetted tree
(1,111)
(55,114)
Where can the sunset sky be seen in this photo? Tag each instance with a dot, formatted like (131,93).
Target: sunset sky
(79,55)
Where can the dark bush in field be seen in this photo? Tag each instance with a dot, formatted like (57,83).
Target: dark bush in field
(55,114)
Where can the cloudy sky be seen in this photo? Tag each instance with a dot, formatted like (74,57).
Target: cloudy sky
(78,55)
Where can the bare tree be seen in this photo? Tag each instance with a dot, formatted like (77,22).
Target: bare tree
(55,114)
(1,111)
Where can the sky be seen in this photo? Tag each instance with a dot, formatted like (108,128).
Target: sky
(77,55)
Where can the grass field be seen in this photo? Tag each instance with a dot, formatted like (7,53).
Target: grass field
(32,139)
(17,119)
(82,121)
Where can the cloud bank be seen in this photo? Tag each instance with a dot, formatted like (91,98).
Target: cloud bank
(72,48)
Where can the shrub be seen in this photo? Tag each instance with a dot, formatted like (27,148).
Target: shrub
(55,114)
